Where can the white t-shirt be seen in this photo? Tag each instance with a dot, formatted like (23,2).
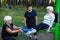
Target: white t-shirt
(49,19)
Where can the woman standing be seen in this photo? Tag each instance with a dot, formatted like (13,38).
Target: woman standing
(30,18)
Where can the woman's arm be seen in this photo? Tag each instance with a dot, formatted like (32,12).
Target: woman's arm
(51,22)
(15,27)
(25,21)
(36,18)
(13,31)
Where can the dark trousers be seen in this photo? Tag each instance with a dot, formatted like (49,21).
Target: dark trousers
(8,38)
(41,26)
(12,37)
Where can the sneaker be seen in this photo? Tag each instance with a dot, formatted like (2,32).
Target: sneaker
(35,37)
(29,38)
(32,31)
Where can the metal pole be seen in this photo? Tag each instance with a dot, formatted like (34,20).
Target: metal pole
(0,3)
(57,25)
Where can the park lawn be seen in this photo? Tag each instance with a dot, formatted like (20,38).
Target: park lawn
(18,17)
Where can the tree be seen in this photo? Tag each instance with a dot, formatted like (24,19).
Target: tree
(30,1)
(46,3)
(15,2)
(0,3)
(21,2)
(10,3)
(36,3)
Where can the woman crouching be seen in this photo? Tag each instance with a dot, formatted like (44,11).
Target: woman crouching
(9,31)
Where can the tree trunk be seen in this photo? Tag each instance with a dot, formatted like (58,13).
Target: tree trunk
(36,3)
(46,3)
(30,1)
(0,3)
(10,2)
(21,2)
(15,2)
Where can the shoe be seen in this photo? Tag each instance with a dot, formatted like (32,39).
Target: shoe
(35,37)
(29,38)
(32,31)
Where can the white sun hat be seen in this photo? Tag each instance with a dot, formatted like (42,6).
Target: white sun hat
(7,18)
(50,8)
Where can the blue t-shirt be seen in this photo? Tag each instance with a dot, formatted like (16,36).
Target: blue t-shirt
(30,18)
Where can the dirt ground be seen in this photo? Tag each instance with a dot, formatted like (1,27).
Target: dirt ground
(45,36)
(0,33)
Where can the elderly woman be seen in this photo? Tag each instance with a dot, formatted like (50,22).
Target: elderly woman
(9,31)
(48,20)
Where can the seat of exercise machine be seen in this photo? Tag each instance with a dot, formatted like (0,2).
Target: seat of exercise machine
(55,21)
(56,17)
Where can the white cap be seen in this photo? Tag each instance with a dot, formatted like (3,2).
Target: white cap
(7,18)
(50,8)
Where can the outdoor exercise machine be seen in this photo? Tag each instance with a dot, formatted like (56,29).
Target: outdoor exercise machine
(57,9)
(55,29)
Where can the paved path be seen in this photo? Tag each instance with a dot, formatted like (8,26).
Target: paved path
(45,36)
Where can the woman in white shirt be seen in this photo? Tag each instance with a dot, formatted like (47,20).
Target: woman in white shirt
(48,20)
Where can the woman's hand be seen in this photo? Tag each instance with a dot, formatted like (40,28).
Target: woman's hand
(36,18)
(16,28)
(20,30)
(25,25)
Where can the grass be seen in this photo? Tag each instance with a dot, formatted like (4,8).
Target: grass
(18,17)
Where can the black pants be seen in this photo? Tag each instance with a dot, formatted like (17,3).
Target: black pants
(41,26)
(8,38)
(15,34)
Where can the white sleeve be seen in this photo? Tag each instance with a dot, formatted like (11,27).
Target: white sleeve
(52,20)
